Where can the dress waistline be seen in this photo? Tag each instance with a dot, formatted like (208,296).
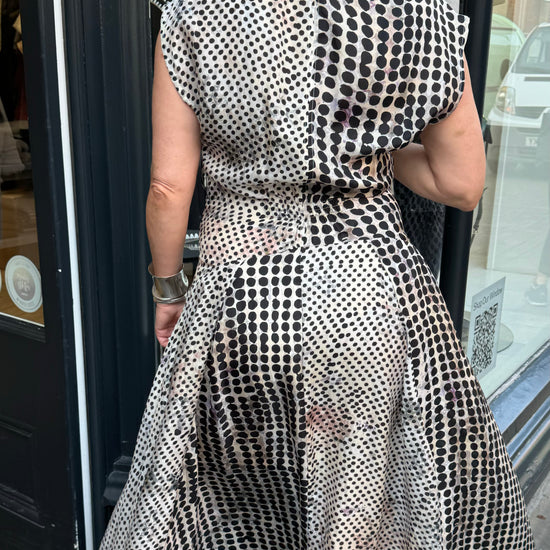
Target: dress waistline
(229,231)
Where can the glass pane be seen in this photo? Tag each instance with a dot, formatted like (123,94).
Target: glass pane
(20,284)
(507,314)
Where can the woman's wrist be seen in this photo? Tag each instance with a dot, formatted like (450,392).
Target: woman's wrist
(171,289)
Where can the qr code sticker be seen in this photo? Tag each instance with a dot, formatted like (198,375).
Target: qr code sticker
(485,327)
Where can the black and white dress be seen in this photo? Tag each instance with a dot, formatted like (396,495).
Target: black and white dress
(314,394)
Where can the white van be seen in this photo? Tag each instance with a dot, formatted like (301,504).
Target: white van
(515,120)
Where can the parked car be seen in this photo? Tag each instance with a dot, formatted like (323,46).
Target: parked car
(505,43)
(514,123)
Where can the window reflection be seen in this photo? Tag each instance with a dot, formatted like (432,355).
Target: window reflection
(511,237)
(534,57)
(20,284)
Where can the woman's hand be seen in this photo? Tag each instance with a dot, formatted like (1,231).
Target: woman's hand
(166,317)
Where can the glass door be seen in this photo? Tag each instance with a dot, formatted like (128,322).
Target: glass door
(38,422)
(20,284)
(507,317)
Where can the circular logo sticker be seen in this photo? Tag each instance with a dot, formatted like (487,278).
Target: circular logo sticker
(23,283)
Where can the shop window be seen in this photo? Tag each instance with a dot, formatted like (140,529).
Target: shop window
(20,283)
(507,317)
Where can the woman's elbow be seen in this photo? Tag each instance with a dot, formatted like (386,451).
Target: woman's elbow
(465,188)
(472,193)
(468,205)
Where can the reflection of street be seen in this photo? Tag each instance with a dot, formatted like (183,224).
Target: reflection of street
(509,243)
(505,43)
(516,116)
(511,239)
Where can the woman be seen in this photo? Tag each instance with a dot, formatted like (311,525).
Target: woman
(313,394)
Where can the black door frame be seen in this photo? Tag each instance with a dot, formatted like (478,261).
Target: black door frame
(109,68)
(48,351)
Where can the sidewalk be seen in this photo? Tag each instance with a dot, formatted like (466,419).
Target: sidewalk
(539,512)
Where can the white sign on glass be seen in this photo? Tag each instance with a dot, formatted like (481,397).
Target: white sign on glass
(23,283)
(484,328)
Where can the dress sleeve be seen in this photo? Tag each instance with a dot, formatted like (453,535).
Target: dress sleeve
(178,51)
(453,33)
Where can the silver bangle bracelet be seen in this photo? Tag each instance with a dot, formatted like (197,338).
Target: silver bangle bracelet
(169,290)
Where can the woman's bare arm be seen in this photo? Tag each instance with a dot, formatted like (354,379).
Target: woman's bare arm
(175,161)
(449,166)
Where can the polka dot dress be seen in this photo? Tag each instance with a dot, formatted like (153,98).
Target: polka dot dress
(314,394)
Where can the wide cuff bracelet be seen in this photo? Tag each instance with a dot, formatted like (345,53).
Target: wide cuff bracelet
(169,290)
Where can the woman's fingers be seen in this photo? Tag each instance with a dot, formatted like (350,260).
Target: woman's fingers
(166,318)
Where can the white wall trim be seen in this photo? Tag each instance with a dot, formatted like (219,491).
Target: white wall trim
(75,275)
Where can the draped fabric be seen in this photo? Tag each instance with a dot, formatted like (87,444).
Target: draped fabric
(314,394)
